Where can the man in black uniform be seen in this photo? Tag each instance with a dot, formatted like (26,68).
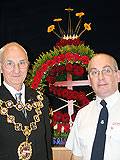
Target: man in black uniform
(24,122)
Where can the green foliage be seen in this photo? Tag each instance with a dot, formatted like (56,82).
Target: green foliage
(80,49)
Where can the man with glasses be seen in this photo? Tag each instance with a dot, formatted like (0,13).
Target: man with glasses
(24,122)
(95,134)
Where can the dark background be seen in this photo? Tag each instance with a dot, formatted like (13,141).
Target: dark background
(26,22)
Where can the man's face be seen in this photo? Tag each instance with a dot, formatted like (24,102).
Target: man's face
(103,76)
(14,66)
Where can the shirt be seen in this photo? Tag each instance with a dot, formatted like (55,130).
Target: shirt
(82,134)
(13,91)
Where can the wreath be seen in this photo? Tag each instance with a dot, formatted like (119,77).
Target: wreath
(71,56)
(54,65)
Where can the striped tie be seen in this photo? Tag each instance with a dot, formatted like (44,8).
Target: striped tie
(18,99)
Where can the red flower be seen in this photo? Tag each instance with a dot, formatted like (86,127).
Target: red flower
(85,59)
(65,93)
(35,82)
(45,66)
(61,69)
(85,101)
(50,79)
(69,56)
(34,85)
(65,118)
(69,67)
(53,123)
(53,71)
(77,57)
(78,70)
(66,127)
(59,127)
(59,58)
(57,116)
(60,122)
(64,42)
(70,95)
(80,96)
(59,92)
(49,63)
(51,88)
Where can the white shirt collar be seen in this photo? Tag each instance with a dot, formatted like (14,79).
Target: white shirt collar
(14,91)
(109,100)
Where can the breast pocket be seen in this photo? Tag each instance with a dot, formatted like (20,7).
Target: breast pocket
(113,143)
(86,140)
(114,134)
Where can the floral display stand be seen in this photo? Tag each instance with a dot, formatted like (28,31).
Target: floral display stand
(58,71)
(61,153)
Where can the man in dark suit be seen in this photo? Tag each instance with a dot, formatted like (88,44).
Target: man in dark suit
(24,122)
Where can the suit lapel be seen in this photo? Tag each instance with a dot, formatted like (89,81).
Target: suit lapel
(5,95)
(30,98)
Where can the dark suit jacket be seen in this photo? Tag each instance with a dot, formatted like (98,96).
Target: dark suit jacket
(11,139)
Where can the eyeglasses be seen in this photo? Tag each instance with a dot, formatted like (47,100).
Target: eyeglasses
(10,65)
(106,71)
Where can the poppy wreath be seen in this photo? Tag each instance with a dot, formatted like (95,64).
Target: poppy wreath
(53,66)
(61,127)
(70,56)
(59,73)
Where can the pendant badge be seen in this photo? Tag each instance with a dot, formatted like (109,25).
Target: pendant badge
(25,151)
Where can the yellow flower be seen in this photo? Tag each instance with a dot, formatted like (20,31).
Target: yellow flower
(50,28)
(57,20)
(87,26)
(80,14)
(69,9)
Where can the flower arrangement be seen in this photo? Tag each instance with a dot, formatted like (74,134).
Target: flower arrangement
(62,56)
(59,73)
(71,56)
(69,49)
(60,127)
